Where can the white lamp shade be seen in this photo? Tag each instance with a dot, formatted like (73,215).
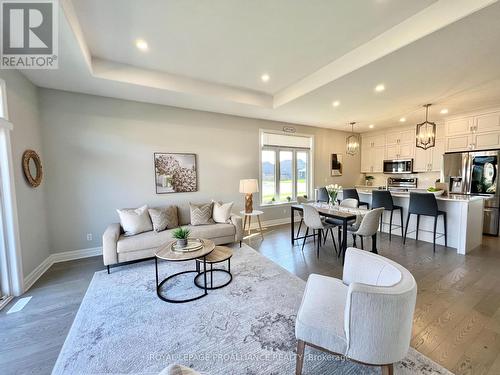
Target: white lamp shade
(249,186)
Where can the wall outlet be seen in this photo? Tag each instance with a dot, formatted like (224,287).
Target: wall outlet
(89,236)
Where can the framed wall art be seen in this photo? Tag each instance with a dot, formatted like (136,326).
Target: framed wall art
(336,165)
(175,173)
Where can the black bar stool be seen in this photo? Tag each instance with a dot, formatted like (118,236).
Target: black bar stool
(383,199)
(353,193)
(323,195)
(425,204)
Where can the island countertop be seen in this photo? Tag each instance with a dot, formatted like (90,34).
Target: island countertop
(449,197)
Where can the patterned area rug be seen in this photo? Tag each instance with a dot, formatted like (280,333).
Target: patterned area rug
(122,327)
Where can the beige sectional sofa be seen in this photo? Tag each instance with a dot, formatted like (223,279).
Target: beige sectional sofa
(117,248)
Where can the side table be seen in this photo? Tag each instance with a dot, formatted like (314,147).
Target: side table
(248,221)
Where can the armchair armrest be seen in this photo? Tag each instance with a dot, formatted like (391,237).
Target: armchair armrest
(237,221)
(109,244)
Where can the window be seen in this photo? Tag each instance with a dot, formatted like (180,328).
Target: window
(285,167)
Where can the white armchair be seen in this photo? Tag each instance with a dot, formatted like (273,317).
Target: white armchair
(367,316)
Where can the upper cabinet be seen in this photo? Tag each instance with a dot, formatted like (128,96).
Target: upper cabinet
(373,141)
(478,132)
(400,145)
(372,153)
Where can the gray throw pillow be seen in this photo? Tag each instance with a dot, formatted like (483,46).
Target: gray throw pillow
(201,213)
(164,218)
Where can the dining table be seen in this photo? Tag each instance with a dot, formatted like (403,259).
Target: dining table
(342,215)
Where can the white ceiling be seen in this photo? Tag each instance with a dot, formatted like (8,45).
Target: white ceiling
(210,56)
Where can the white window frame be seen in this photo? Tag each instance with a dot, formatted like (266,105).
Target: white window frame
(310,165)
(11,274)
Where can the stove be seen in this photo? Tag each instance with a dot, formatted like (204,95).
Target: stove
(401,183)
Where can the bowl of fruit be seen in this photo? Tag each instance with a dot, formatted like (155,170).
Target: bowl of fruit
(435,191)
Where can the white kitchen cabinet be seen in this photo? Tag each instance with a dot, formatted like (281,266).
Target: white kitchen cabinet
(459,126)
(407,136)
(458,143)
(399,151)
(430,159)
(486,123)
(482,141)
(374,141)
(372,159)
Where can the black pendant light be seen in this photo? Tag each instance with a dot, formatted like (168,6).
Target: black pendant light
(426,132)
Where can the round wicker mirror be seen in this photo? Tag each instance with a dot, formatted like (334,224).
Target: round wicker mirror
(32,168)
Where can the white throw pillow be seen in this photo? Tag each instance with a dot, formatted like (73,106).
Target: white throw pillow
(135,220)
(222,212)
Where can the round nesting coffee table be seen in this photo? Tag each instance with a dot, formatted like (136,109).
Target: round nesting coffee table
(219,255)
(166,253)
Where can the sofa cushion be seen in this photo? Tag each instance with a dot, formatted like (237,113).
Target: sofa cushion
(211,231)
(152,239)
(320,319)
(201,213)
(146,240)
(222,212)
(164,218)
(135,220)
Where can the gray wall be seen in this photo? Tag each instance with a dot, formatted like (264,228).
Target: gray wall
(31,203)
(99,157)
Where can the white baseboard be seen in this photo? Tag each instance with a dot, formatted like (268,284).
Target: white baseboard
(56,258)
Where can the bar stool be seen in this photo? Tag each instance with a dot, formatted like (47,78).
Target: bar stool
(383,198)
(353,193)
(425,204)
(323,195)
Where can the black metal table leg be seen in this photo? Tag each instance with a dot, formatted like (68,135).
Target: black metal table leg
(292,234)
(344,239)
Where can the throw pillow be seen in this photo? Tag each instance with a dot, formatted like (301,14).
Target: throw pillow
(135,220)
(222,212)
(164,218)
(201,213)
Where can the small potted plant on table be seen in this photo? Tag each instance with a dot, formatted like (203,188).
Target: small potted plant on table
(369,180)
(181,235)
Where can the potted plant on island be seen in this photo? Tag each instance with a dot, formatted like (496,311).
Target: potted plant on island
(369,180)
(333,191)
(181,235)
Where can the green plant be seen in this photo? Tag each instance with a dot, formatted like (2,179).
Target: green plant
(181,233)
(305,196)
(289,199)
(369,178)
(273,200)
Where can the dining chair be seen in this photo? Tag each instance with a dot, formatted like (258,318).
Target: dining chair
(368,227)
(312,220)
(323,195)
(353,193)
(349,202)
(302,201)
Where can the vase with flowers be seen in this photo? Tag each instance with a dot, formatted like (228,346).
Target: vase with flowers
(333,191)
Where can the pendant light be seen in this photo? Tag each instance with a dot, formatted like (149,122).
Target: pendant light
(426,132)
(352,142)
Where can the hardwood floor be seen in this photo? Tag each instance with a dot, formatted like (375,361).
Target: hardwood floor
(457,319)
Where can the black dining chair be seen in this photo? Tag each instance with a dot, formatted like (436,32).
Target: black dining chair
(323,195)
(425,204)
(383,199)
(353,194)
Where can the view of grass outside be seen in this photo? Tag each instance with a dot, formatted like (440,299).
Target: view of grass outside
(285,179)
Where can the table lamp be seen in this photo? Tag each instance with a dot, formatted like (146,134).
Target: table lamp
(248,187)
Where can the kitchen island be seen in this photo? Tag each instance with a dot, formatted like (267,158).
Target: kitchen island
(464,216)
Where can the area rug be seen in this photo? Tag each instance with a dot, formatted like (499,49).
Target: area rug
(122,327)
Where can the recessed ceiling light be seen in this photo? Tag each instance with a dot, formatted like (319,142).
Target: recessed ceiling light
(371,126)
(141,44)
(265,77)
(402,119)
(444,111)
(379,88)
(336,103)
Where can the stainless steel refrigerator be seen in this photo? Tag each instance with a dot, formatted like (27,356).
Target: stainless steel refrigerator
(476,173)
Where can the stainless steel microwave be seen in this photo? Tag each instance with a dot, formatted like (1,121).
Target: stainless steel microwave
(398,166)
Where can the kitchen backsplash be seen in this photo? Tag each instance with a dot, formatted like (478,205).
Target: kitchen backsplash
(425,179)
